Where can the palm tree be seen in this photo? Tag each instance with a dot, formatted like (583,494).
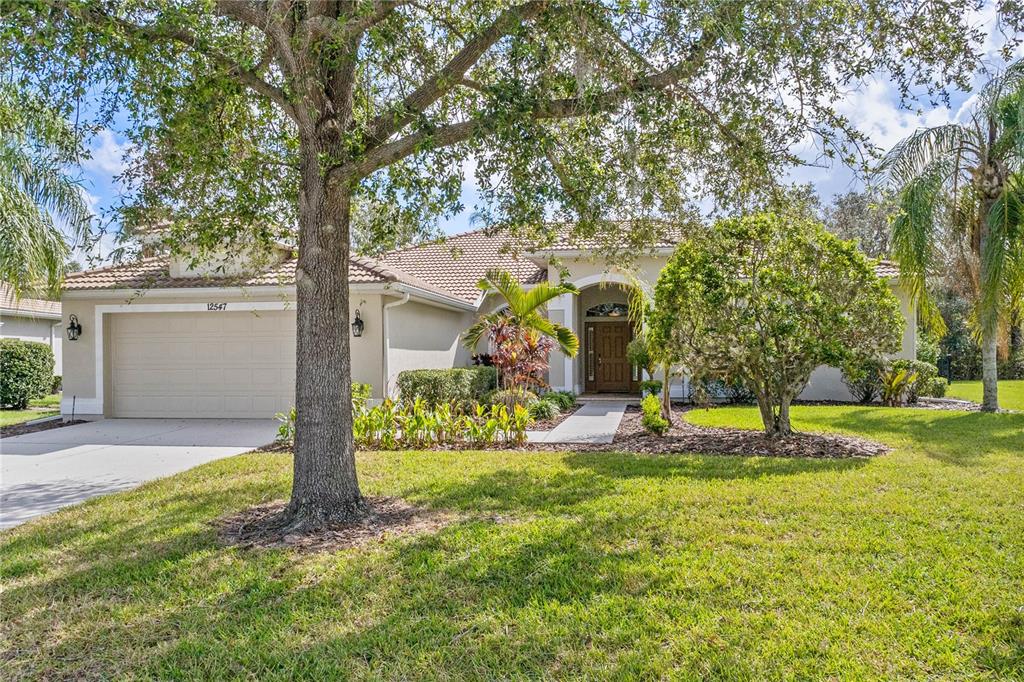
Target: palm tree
(523,310)
(961,203)
(36,194)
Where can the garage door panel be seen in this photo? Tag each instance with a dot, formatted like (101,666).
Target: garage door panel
(216,364)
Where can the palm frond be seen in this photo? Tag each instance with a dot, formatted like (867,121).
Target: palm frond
(539,295)
(915,154)
(1005,223)
(913,237)
(506,286)
(567,341)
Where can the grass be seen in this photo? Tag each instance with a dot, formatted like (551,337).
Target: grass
(566,565)
(1011,392)
(38,408)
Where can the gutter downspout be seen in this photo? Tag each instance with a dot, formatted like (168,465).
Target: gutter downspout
(387,339)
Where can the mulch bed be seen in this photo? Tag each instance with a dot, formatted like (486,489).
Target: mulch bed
(22,429)
(549,424)
(684,437)
(255,527)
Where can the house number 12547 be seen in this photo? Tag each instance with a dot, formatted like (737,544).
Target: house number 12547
(216,306)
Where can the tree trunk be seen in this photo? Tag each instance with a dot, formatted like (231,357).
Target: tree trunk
(666,387)
(989,324)
(989,368)
(776,424)
(324,484)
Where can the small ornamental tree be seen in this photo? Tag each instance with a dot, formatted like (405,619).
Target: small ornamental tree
(766,298)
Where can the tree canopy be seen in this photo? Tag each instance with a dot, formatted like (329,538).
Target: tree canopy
(765,299)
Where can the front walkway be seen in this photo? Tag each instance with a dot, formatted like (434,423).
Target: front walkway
(594,422)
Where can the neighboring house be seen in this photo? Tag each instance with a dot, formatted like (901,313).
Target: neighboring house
(32,319)
(161,339)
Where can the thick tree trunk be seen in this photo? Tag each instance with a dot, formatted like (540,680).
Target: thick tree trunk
(324,484)
(776,424)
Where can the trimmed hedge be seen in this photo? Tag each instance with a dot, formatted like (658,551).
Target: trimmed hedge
(26,372)
(463,385)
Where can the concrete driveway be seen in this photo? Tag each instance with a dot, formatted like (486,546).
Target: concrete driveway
(44,471)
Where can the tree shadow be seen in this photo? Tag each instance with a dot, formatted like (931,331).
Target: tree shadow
(704,467)
(959,438)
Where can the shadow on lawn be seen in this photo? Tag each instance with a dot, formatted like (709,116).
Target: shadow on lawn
(151,599)
(960,438)
(704,467)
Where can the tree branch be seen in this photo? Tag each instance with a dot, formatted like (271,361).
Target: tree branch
(573,107)
(405,112)
(145,32)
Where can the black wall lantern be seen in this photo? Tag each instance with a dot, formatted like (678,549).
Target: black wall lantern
(74,329)
(357,325)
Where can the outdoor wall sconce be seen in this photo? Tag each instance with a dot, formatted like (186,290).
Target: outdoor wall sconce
(74,329)
(357,325)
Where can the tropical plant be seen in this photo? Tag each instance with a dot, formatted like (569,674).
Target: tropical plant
(923,373)
(961,204)
(36,145)
(894,383)
(862,376)
(564,399)
(765,299)
(510,397)
(520,337)
(544,409)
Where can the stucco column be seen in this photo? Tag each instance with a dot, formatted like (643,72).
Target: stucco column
(562,375)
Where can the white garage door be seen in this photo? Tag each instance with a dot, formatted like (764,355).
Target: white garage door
(210,364)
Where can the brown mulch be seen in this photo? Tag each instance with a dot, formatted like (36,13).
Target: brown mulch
(22,429)
(548,424)
(390,517)
(684,437)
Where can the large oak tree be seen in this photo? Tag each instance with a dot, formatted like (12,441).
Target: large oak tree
(250,118)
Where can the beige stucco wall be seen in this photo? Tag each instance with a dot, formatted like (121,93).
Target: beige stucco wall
(423,336)
(40,330)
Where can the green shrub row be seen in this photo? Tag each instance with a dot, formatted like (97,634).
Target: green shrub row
(26,372)
(463,385)
(893,381)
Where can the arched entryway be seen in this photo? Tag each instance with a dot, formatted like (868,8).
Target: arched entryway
(602,323)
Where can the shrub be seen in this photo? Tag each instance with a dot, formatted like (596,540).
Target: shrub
(27,372)
(544,409)
(923,373)
(462,385)
(58,384)
(564,399)
(936,388)
(1012,367)
(652,419)
(650,386)
(864,378)
(510,397)
(392,426)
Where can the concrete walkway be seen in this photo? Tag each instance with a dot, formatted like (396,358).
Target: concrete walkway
(44,471)
(594,422)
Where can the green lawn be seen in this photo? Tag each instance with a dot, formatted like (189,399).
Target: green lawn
(9,417)
(607,566)
(1011,393)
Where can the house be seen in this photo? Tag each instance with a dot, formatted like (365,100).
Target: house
(162,338)
(32,319)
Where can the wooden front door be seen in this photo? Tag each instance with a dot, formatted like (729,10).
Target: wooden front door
(608,370)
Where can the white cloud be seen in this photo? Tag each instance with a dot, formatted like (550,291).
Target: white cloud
(106,154)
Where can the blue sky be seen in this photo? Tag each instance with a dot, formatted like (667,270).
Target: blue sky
(873,106)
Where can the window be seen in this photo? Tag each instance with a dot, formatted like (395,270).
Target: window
(608,310)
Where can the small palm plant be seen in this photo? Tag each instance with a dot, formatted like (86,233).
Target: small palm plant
(521,327)
(961,200)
